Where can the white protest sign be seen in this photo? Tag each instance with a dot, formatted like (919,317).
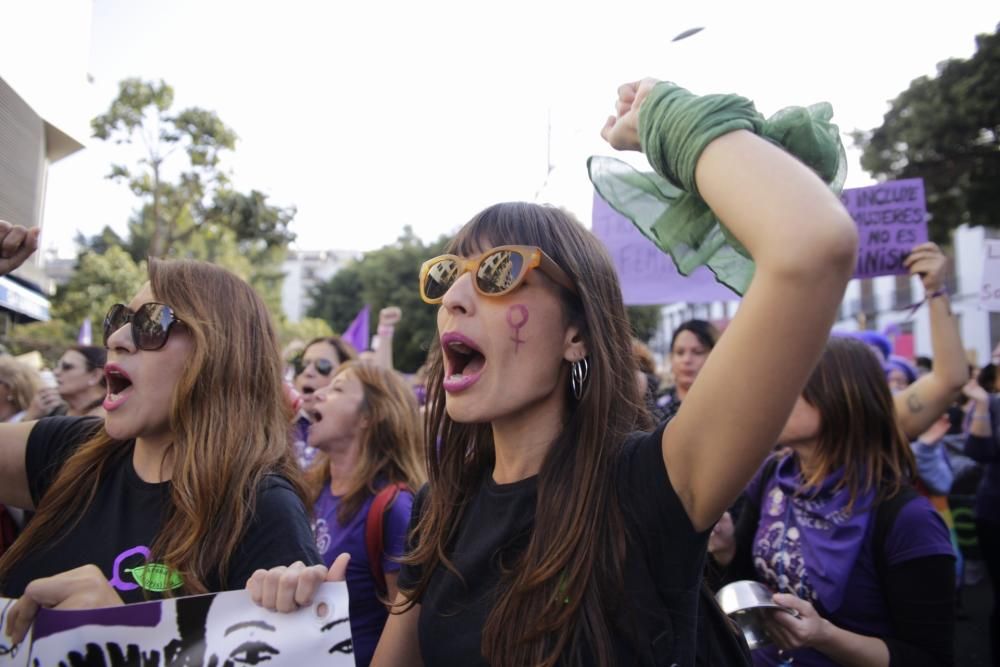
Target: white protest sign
(198,631)
(989,295)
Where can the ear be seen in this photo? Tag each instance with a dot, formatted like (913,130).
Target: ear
(96,376)
(574,347)
(364,422)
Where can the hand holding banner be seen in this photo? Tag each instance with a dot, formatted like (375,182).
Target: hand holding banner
(219,628)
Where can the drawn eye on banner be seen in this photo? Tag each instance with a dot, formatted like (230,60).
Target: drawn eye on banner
(216,630)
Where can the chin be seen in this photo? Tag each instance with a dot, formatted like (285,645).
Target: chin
(464,414)
(117,430)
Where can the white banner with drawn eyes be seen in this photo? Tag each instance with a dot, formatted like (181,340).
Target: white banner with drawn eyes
(216,630)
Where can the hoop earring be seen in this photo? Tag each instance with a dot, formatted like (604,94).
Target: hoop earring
(579,371)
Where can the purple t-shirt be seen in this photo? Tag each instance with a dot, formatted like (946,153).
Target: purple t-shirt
(917,532)
(368,614)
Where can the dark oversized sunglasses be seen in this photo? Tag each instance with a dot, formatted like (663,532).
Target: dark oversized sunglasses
(497,271)
(323,366)
(151,323)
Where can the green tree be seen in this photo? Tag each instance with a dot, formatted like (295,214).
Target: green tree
(645,321)
(385,277)
(141,115)
(946,130)
(50,339)
(303,331)
(99,281)
(188,209)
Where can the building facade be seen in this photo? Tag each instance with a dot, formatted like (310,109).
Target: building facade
(44,48)
(304,270)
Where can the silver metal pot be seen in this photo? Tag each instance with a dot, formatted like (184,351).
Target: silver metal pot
(748,603)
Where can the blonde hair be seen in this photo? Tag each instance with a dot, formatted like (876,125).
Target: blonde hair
(22,381)
(391,443)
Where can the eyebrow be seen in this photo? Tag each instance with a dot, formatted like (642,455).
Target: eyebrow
(248,624)
(333,623)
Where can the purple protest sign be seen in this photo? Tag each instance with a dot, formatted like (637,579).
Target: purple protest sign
(891,219)
(648,275)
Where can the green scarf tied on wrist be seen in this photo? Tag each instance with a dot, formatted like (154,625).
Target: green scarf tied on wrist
(675,126)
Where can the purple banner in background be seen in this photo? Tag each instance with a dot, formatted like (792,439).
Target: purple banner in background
(891,219)
(647,274)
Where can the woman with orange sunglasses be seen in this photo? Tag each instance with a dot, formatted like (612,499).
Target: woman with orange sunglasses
(550,532)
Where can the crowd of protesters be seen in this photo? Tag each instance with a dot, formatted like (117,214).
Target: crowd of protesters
(543,495)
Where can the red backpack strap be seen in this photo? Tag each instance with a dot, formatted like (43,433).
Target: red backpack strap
(374,531)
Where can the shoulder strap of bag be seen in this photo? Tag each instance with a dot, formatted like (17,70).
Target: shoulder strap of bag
(885,517)
(374,531)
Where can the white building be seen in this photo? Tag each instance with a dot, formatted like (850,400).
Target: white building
(884,303)
(44,47)
(304,269)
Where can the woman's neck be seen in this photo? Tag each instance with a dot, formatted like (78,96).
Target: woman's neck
(682,391)
(343,464)
(806,454)
(153,458)
(522,440)
(85,401)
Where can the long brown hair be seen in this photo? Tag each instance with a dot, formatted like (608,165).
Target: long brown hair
(230,420)
(391,443)
(556,602)
(858,427)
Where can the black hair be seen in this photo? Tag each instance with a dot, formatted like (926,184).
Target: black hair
(705,332)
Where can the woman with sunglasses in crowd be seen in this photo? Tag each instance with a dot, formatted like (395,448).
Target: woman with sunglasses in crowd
(548,534)
(80,387)
(314,368)
(366,428)
(188,485)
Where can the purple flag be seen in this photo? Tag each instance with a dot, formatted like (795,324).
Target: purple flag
(357,332)
(85,337)
(647,274)
(891,219)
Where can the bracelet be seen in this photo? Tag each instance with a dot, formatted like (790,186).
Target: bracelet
(936,293)
(983,417)
(385,330)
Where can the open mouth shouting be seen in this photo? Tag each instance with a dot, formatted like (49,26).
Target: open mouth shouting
(463,362)
(119,386)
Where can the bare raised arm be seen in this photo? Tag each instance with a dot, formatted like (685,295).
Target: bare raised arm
(399,644)
(13,475)
(16,245)
(919,405)
(804,245)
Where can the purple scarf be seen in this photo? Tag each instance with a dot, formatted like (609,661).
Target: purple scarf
(808,546)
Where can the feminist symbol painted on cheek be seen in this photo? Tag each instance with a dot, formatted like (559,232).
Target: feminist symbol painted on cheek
(517,316)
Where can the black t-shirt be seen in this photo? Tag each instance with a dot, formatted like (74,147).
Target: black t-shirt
(115,531)
(663,566)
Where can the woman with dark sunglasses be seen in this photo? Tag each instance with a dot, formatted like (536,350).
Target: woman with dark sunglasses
(188,486)
(80,388)
(314,370)
(550,532)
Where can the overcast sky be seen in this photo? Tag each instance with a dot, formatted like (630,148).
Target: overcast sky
(367,116)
